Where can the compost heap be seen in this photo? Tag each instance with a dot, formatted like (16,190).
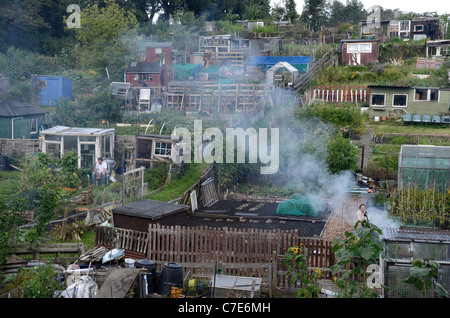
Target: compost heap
(298,205)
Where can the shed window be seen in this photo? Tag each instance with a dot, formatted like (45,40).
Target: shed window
(378,99)
(424,94)
(52,137)
(445,50)
(404,26)
(163,148)
(400,100)
(418,28)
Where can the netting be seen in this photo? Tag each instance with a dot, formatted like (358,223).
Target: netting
(298,205)
(184,71)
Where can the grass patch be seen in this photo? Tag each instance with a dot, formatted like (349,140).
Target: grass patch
(380,128)
(9,181)
(177,187)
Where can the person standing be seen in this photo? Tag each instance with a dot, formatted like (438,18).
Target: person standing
(100,170)
(361,214)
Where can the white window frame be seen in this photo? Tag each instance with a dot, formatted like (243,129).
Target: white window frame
(33,130)
(393,97)
(356,48)
(419,25)
(428,95)
(168,152)
(371,96)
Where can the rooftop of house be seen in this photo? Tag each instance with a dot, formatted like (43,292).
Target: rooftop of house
(157,45)
(149,209)
(63,130)
(144,67)
(14,108)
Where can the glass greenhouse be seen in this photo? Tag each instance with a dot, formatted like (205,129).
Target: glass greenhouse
(424,166)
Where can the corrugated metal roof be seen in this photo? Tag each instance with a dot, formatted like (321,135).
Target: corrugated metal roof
(14,108)
(63,130)
(416,234)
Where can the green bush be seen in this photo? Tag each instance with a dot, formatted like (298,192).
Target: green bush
(42,281)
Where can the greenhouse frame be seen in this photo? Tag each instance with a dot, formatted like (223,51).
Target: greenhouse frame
(424,166)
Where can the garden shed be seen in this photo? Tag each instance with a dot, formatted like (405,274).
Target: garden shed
(89,143)
(153,148)
(282,73)
(359,51)
(20,120)
(424,166)
(414,100)
(405,244)
(48,90)
(138,215)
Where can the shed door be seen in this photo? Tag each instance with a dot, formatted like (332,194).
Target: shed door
(19,128)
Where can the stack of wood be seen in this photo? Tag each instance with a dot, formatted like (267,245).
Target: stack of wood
(93,255)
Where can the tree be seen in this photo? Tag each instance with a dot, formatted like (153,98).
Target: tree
(354,11)
(336,13)
(286,12)
(342,155)
(291,11)
(314,13)
(103,36)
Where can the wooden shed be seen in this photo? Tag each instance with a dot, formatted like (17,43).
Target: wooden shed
(360,51)
(138,215)
(20,120)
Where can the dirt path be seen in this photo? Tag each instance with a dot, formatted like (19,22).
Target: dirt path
(343,216)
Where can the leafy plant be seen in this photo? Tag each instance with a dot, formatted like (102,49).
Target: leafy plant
(296,260)
(423,275)
(42,281)
(360,249)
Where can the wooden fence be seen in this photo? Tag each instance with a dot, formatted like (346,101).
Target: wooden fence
(59,252)
(343,94)
(204,250)
(133,242)
(302,81)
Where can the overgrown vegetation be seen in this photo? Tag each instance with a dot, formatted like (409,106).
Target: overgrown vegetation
(421,207)
(360,248)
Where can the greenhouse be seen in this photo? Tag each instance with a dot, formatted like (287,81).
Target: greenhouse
(424,166)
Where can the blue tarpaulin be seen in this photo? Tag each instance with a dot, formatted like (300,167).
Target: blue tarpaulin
(266,62)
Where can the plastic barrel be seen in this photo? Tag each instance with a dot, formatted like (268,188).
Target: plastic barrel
(4,163)
(151,276)
(171,276)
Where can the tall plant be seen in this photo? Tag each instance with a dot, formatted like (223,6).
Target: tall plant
(296,261)
(423,275)
(359,248)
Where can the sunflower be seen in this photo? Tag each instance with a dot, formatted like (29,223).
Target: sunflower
(294,250)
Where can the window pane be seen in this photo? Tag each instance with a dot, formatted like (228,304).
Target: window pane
(434,95)
(400,100)
(70,143)
(421,94)
(52,137)
(377,99)
(87,138)
(54,150)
